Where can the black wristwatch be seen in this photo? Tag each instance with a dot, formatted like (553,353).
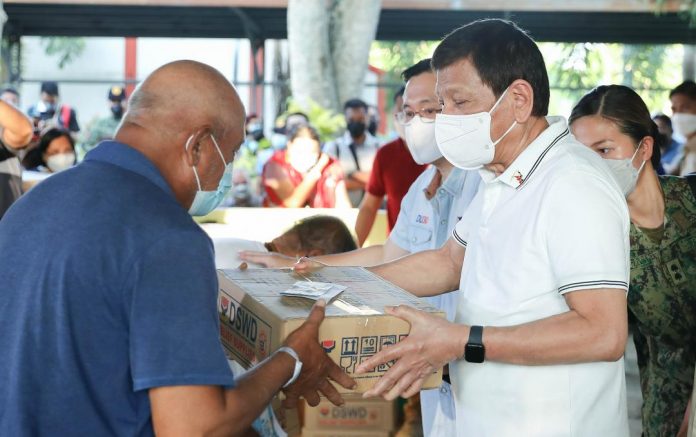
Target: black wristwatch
(474,352)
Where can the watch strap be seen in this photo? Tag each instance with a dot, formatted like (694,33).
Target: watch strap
(476,334)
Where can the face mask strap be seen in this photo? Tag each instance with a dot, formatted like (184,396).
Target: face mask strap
(212,137)
(195,173)
(500,99)
(640,144)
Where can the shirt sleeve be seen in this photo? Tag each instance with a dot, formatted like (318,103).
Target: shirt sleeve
(399,234)
(174,326)
(587,228)
(375,185)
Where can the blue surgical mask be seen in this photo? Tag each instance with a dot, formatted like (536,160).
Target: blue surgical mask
(206,201)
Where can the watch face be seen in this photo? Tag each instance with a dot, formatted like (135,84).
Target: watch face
(474,353)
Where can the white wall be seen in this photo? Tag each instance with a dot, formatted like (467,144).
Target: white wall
(104,59)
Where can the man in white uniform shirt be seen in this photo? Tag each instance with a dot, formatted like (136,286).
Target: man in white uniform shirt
(433,205)
(540,257)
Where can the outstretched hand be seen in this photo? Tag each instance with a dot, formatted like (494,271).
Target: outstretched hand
(267,259)
(318,369)
(431,343)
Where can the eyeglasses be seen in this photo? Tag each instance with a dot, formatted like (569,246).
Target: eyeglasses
(427,115)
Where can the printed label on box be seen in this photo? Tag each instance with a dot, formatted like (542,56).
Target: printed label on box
(355,350)
(246,333)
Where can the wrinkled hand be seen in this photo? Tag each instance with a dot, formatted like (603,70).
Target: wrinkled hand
(267,259)
(431,343)
(317,368)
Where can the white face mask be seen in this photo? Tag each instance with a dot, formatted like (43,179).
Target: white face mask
(625,174)
(60,161)
(465,140)
(304,162)
(684,124)
(420,140)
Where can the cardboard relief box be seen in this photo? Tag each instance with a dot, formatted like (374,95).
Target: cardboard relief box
(356,414)
(255,318)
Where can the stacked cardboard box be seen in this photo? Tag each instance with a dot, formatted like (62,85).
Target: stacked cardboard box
(357,417)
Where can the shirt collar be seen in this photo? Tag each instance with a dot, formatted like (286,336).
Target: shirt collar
(126,157)
(453,185)
(531,157)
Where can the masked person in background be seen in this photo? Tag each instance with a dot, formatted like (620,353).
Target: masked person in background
(54,153)
(683,99)
(355,150)
(253,154)
(105,127)
(301,175)
(614,122)
(48,112)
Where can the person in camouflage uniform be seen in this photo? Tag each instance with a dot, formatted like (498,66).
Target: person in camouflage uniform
(614,121)
(663,301)
(105,127)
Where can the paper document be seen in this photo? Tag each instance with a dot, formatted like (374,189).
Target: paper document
(314,290)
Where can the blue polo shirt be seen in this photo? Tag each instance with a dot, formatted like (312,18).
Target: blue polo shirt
(109,290)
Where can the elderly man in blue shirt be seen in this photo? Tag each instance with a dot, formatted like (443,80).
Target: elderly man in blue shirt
(108,304)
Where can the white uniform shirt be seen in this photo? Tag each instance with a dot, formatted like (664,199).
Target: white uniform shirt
(427,224)
(554,222)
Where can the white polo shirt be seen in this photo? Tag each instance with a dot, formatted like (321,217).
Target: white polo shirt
(554,222)
(426,224)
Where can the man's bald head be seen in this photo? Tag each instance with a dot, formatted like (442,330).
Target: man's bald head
(176,116)
(182,94)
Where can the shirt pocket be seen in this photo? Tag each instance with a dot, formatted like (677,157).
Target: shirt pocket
(420,238)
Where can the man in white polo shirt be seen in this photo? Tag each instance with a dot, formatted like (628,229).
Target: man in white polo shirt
(433,205)
(540,257)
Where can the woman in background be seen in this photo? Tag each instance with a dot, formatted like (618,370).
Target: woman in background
(301,175)
(615,122)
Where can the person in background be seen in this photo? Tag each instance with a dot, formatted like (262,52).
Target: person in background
(302,175)
(254,153)
(373,124)
(432,207)
(683,100)
(47,112)
(615,122)
(10,95)
(283,127)
(105,127)
(54,153)
(128,284)
(241,194)
(393,170)
(16,131)
(312,236)
(355,149)
(673,150)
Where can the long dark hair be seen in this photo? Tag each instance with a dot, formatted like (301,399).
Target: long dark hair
(34,157)
(624,107)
